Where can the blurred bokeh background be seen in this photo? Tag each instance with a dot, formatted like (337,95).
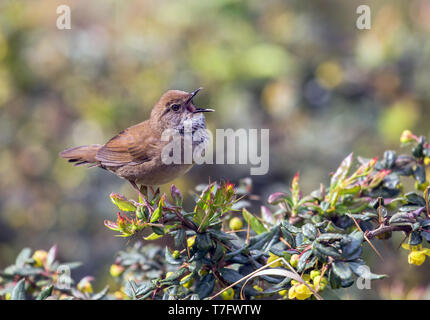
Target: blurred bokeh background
(300,68)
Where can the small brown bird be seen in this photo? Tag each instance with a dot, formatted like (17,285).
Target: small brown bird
(135,153)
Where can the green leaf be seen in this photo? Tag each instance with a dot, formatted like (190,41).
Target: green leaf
(206,286)
(155,215)
(45,293)
(400,217)
(329,237)
(415,199)
(353,190)
(203,241)
(52,253)
(341,172)
(153,236)
(23,257)
(309,231)
(220,235)
(326,251)
(177,274)
(122,202)
(334,280)
(361,270)
(230,275)
(342,270)
(179,238)
(100,295)
(18,292)
(303,260)
(254,223)
(170,259)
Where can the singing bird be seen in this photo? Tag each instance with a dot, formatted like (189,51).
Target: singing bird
(135,154)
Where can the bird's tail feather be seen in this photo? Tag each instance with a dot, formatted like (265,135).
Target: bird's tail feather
(82,155)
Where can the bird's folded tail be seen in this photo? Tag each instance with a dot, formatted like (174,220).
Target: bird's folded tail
(82,155)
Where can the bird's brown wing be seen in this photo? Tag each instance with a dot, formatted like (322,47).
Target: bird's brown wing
(131,146)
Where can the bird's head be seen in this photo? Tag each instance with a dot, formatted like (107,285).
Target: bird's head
(174,108)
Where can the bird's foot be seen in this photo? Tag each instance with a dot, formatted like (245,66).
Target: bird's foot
(144,200)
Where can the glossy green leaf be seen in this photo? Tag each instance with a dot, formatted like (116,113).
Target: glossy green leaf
(254,223)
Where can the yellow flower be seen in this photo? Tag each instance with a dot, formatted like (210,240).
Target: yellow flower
(416,257)
(299,291)
(39,257)
(190,241)
(272,258)
(116,270)
(236,223)
(228,294)
(426,161)
(294,260)
(417,254)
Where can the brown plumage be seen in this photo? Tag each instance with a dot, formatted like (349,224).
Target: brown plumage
(135,153)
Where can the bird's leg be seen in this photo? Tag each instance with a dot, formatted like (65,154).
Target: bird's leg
(154,193)
(145,201)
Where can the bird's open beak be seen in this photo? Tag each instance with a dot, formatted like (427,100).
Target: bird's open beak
(197,110)
(192,94)
(203,110)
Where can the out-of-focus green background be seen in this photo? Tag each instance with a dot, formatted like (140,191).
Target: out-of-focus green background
(300,68)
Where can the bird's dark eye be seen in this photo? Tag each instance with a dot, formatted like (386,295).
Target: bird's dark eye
(176,107)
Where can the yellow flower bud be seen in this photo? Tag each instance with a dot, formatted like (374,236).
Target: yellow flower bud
(203,272)
(39,257)
(116,270)
(85,285)
(407,136)
(320,282)
(294,260)
(236,224)
(175,254)
(228,294)
(8,296)
(421,186)
(258,288)
(189,281)
(306,277)
(283,293)
(426,161)
(314,273)
(168,274)
(272,258)
(190,241)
